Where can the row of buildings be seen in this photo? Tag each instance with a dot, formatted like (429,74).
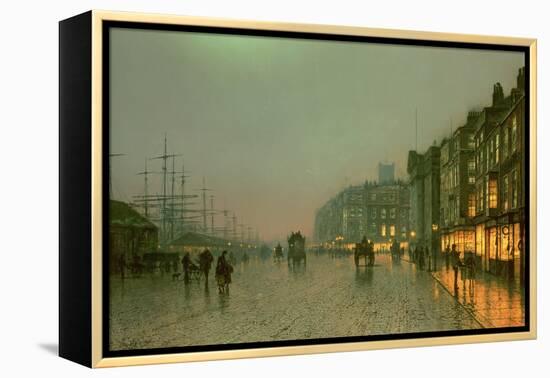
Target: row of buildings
(376,210)
(470,189)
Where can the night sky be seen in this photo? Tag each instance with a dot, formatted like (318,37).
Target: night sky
(278,126)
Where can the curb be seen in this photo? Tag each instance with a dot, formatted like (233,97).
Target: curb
(482,323)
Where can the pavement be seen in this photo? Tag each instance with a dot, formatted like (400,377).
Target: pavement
(493,301)
(270,302)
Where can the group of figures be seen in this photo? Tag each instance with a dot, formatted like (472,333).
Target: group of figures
(420,255)
(296,250)
(466,265)
(364,249)
(224,269)
(396,251)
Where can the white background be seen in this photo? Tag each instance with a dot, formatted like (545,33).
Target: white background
(29,189)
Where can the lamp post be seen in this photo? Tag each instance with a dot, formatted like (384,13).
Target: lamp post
(435,228)
(413,238)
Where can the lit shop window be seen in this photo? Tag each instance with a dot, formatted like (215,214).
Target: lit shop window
(471,205)
(514,189)
(505,203)
(497,150)
(471,171)
(492,189)
(514,132)
(392,230)
(383,230)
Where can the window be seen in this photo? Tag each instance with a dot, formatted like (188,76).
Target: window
(382,213)
(456,176)
(373,216)
(373,227)
(497,148)
(492,189)
(392,230)
(514,189)
(471,205)
(505,143)
(514,132)
(471,171)
(392,213)
(480,198)
(482,167)
(471,143)
(505,203)
(487,158)
(373,197)
(479,160)
(491,153)
(383,230)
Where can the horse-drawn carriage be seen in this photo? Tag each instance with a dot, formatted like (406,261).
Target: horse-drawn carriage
(278,255)
(364,249)
(296,249)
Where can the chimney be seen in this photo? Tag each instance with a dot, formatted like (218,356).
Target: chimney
(498,94)
(521,79)
(472,116)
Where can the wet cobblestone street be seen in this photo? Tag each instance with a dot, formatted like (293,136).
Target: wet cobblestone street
(268,302)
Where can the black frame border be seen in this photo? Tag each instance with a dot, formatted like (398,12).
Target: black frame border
(107,25)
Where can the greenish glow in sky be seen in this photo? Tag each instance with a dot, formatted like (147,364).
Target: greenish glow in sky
(278,126)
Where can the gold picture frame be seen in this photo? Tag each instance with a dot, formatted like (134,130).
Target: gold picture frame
(82,290)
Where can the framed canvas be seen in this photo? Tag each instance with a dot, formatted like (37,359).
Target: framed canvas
(235,189)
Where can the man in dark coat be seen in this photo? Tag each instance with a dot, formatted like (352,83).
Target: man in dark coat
(186,262)
(205,263)
(455,255)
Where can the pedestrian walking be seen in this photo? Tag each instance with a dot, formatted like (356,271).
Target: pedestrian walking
(186,262)
(447,256)
(429,257)
(421,257)
(205,263)
(456,264)
(223,273)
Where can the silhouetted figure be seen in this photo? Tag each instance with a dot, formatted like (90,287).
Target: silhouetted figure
(223,273)
(421,257)
(456,264)
(186,262)
(205,263)
(371,253)
(447,256)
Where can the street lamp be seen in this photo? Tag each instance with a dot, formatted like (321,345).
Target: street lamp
(435,244)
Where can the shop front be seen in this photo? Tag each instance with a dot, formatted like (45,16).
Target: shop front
(463,238)
(500,247)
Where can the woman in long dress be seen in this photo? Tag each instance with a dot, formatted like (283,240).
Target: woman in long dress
(223,273)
